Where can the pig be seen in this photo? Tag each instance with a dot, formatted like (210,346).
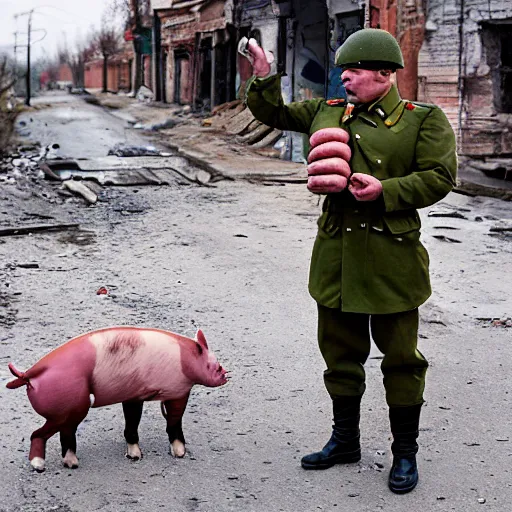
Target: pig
(128,365)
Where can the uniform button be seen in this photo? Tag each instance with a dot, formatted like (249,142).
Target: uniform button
(358,136)
(363,225)
(349,229)
(379,161)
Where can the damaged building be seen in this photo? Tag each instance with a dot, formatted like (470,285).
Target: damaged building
(195,52)
(465,66)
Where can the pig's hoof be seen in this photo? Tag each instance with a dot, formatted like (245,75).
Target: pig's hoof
(37,464)
(70,460)
(178,449)
(133,452)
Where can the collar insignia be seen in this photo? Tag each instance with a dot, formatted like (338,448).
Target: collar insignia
(348,112)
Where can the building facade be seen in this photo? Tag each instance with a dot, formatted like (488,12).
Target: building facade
(465,66)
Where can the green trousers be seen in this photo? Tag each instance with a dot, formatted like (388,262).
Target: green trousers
(344,340)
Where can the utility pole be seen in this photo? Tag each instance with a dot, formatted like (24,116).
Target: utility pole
(29,33)
(27,99)
(15,50)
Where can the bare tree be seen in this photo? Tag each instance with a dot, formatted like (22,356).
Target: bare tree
(7,78)
(76,58)
(108,44)
(8,111)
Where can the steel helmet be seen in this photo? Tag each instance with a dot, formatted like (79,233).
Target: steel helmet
(370,48)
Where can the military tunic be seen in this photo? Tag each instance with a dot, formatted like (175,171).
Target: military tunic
(367,257)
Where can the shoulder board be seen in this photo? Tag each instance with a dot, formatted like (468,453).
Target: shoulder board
(419,104)
(336,102)
(395,116)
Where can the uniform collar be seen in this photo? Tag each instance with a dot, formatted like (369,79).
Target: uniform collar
(384,106)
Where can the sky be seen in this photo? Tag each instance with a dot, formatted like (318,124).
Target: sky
(58,17)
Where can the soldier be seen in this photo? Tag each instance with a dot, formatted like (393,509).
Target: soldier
(369,270)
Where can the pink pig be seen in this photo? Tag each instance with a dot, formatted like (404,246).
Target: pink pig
(117,364)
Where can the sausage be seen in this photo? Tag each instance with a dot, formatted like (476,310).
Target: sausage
(330,166)
(330,149)
(329,135)
(326,183)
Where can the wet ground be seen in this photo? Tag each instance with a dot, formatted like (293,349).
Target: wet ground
(82,130)
(232,259)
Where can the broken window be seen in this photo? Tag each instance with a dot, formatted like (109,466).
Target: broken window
(497,41)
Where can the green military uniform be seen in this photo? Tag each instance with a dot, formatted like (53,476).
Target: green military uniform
(367,258)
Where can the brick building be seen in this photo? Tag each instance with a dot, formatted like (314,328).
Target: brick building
(195,51)
(405,19)
(465,66)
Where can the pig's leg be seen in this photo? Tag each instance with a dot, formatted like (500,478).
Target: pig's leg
(132,415)
(38,444)
(68,436)
(68,444)
(64,408)
(174,414)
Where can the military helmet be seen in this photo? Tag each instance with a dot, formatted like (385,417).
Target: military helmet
(370,48)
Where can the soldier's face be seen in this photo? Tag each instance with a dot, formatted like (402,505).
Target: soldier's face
(365,85)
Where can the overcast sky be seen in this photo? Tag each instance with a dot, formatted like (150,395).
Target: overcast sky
(72,17)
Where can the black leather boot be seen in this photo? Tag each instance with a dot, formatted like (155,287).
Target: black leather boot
(404,421)
(343,447)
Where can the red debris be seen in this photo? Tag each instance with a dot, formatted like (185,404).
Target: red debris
(102,291)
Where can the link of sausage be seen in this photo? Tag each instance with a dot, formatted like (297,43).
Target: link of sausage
(329,135)
(330,166)
(326,184)
(330,149)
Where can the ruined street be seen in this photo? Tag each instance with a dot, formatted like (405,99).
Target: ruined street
(231,256)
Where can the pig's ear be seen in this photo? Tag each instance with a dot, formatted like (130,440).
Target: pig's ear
(201,339)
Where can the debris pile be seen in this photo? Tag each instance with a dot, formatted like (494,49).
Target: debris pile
(22,159)
(237,121)
(125,150)
(20,171)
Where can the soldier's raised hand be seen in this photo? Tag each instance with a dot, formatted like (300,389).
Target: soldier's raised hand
(259,58)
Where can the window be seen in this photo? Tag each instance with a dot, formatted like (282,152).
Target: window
(497,41)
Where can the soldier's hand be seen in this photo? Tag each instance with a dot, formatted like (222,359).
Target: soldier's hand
(260,60)
(364,187)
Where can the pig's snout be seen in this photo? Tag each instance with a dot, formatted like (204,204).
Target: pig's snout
(219,376)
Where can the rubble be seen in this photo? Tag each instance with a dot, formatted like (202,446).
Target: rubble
(21,176)
(125,150)
(144,94)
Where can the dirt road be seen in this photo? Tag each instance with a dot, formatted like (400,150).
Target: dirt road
(232,259)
